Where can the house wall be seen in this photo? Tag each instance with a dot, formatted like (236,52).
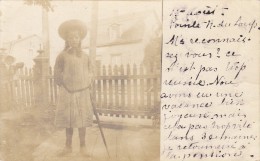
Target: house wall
(26,50)
(121,54)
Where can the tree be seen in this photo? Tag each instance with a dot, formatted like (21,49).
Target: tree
(46,7)
(46,4)
(42,62)
(152,55)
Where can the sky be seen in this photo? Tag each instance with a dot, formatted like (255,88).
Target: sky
(20,19)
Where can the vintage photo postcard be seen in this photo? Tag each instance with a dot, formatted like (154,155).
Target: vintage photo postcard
(80,80)
(142,80)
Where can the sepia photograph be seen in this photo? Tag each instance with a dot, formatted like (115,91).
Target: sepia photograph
(80,80)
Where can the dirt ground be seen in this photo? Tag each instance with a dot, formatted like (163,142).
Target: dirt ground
(24,138)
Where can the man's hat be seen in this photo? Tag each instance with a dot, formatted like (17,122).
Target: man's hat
(72,25)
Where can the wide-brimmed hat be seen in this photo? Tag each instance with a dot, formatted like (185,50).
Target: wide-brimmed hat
(72,25)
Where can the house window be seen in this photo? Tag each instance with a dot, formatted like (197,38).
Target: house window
(116,59)
(114,32)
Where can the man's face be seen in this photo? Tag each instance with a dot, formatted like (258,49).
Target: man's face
(73,39)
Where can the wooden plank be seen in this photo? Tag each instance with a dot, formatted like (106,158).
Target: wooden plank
(13,94)
(54,86)
(23,94)
(126,77)
(135,94)
(31,87)
(142,105)
(158,88)
(104,89)
(148,90)
(27,88)
(122,88)
(8,94)
(155,92)
(55,92)
(116,91)
(99,103)
(18,90)
(129,91)
(110,88)
(125,112)
(94,87)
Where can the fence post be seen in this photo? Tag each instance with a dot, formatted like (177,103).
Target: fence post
(41,72)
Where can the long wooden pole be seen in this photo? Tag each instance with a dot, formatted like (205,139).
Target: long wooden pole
(93,31)
(92,50)
(45,33)
(98,122)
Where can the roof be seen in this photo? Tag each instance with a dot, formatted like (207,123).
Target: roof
(22,39)
(132,27)
(10,44)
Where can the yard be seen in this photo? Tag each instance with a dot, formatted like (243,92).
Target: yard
(24,138)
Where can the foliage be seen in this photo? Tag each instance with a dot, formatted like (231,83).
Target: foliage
(46,4)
